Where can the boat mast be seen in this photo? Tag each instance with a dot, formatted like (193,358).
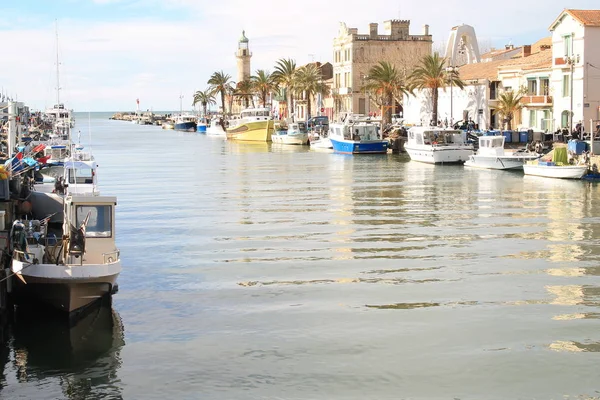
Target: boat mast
(180,104)
(57,66)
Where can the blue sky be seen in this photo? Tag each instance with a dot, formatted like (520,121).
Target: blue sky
(115,51)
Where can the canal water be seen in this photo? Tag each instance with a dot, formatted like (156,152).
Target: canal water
(257,271)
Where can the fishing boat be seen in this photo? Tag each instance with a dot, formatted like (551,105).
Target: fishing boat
(185,122)
(558,167)
(357,135)
(436,145)
(491,155)
(70,266)
(254,125)
(295,134)
(201,125)
(168,124)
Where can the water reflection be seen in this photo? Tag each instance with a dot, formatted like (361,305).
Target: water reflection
(84,356)
(235,147)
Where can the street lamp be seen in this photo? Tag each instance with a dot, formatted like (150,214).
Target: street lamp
(571,60)
(451,70)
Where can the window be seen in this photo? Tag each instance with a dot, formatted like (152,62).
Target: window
(99,223)
(531,87)
(568,45)
(79,175)
(566,86)
(531,118)
(544,86)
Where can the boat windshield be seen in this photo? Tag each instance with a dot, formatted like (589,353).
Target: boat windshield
(81,175)
(99,224)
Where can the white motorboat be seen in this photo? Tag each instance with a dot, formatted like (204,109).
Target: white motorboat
(491,155)
(215,128)
(68,267)
(295,133)
(549,169)
(436,145)
(558,166)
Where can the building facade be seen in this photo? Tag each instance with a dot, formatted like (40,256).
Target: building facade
(575,74)
(557,75)
(354,54)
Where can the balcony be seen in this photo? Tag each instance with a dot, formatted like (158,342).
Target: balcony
(536,100)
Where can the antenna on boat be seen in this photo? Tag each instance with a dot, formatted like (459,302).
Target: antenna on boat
(57,65)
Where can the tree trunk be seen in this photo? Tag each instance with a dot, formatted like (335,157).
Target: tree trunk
(435,106)
(204,108)
(308,110)
(223,101)
(292,104)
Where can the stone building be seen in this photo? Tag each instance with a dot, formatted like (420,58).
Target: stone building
(354,54)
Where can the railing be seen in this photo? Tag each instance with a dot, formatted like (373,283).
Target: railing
(111,257)
(536,100)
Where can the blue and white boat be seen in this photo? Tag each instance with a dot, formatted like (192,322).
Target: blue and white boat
(201,125)
(185,122)
(357,135)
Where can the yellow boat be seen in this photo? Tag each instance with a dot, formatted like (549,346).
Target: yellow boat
(255,125)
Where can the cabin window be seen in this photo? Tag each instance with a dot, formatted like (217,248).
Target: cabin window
(80,175)
(99,224)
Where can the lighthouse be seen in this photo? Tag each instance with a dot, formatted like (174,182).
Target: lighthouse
(243,56)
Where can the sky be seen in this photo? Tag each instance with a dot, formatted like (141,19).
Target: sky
(112,52)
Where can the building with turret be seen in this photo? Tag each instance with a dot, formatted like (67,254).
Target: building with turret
(243,56)
(354,54)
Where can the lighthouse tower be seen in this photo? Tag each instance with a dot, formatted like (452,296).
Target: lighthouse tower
(243,58)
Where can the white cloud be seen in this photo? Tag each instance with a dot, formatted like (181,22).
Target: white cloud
(106,65)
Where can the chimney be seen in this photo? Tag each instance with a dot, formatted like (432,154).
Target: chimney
(373,30)
(426,30)
(526,52)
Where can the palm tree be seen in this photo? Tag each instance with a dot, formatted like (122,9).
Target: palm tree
(285,77)
(264,83)
(220,83)
(309,81)
(509,103)
(205,98)
(432,74)
(243,91)
(386,84)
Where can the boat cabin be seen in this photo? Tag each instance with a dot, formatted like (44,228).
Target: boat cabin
(491,146)
(255,114)
(436,137)
(356,132)
(98,215)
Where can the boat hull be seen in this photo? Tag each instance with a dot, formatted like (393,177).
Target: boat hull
(66,288)
(168,125)
(554,171)
(253,131)
(321,144)
(359,147)
(439,155)
(498,162)
(201,128)
(299,139)
(188,126)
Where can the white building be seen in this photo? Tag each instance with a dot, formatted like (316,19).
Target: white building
(543,70)
(575,78)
